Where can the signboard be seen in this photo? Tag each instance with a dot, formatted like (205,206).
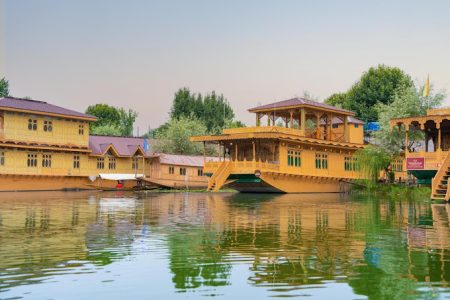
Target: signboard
(415,163)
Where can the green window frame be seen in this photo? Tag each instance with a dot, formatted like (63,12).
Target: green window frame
(294,158)
(321,161)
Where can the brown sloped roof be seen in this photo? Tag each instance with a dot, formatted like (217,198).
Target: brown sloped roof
(299,102)
(125,146)
(41,107)
(350,120)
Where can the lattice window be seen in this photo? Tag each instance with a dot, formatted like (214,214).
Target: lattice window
(46,160)
(321,161)
(294,158)
(32,124)
(32,160)
(48,126)
(182,171)
(100,163)
(199,172)
(112,163)
(171,170)
(76,162)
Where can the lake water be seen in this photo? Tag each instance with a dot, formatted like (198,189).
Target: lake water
(93,245)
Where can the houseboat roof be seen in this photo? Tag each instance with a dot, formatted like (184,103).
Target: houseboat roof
(183,160)
(122,146)
(350,120)
(300,102)
(41,108)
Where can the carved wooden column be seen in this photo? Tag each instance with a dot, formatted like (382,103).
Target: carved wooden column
(254,150)
(268,119)
(318,126)
(346,129)
(257,120)
(236,151)
(292,119)
(330,125)
(439,134)
(302,121)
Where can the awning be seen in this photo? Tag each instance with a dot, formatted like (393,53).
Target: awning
(121,176)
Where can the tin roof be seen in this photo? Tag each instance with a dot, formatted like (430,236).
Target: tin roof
(300,102)
(41,107)
(183,160)
(125,146)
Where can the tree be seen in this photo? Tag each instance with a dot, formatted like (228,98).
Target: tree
(111,119)
(212,109)
(407,102)
(175,138)
(377,85)
(338,100)
(108,129)
(126,121)
(4,87)
(372,160)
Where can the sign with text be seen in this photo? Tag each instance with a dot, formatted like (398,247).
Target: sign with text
(415,163)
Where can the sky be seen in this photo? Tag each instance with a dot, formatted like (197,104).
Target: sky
(137,54)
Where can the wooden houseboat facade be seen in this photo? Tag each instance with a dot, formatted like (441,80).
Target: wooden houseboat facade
(306,147)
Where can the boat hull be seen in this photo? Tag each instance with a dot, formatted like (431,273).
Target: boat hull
(284,183)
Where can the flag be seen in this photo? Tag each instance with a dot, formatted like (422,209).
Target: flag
(426,88)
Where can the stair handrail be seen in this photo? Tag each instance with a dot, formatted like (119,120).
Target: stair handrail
(217,173)
(447,193)
(442,169)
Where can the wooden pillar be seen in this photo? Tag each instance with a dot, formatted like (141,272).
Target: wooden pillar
(438,145)
(317,126)
(346,129)
(268,119)
(406,137)
(257,119)
(204,153)
(254,150)
(302,121)
(292,119)
(330,124)
(236,150)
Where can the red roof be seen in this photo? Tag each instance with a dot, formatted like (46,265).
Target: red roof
(299,102)
(40,107)
(125,146)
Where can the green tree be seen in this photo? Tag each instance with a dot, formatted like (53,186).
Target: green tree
(175,138)
(108,129)
(372,160)
(106,114)
(4,87)
(126,121)
(377,85)
(212,109)
(111,119)
(338,100)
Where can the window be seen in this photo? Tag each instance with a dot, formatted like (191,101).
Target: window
(335,125)
(100,163)
(199,172)
(48,126)
(46,161)
(351,164)
(2,158)
(356,125)
(182,171)
(135,163)
(112,163)
(81,129)
(397,165)
(321,161)
(32,124)
(171,170)
(294,158)
(32,160)
(76,162)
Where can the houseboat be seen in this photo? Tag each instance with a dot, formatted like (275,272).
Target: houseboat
(429,160)
(297,146)
(47,147)
(177,171)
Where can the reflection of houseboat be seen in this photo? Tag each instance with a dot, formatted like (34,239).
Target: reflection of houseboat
(306,147)
(430,163)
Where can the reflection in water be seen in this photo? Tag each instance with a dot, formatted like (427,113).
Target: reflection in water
(285,244)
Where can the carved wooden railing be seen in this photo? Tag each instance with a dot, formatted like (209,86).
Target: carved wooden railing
(440,174)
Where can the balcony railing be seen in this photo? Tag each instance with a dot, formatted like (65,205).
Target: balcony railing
(242,167)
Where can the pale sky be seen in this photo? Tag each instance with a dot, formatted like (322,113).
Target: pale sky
(136,54)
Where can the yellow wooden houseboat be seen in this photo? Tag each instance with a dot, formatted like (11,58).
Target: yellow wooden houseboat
(429,162)
(306,146)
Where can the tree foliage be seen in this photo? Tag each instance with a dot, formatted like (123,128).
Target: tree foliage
(175,138)
(112,120)
(377,85)
(372,160)
(4,87)
(212,109)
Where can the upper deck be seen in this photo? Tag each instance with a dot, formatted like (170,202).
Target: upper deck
(298,119)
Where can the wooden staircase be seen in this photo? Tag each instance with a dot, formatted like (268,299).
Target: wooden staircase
(219,177)
(440,183)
